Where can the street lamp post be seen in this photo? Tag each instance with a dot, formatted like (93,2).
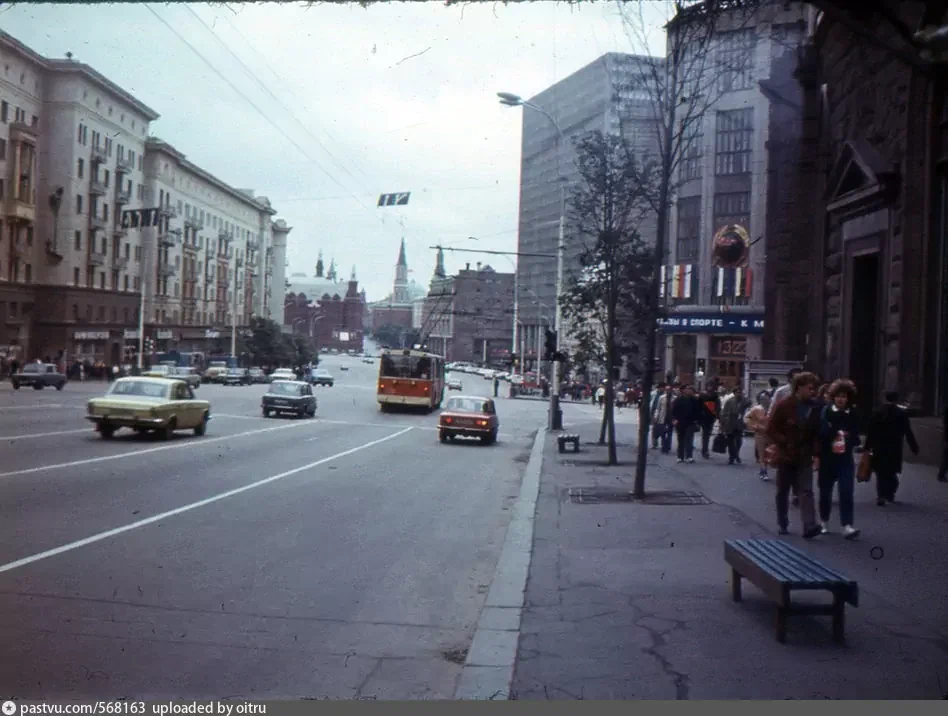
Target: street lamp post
(556,416)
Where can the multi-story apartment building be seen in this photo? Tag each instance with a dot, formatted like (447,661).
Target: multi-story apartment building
(78,164)
(206,254)
(605,95)
(73,149)
(715,314)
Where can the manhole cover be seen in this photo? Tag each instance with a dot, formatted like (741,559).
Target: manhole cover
(594,495)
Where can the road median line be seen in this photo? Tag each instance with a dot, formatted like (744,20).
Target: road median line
(189,507)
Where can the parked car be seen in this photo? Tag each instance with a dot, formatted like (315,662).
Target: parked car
(189,376)
(282,374)
(469,416)
(215,372)
(258,376)
(163,405)
(236,376)
(39,375)
(322,377)
(454,384)
(289,396)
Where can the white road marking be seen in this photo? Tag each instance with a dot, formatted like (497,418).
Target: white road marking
(187,508)
(5,408)
(30,436)
(239,417)
(132,453)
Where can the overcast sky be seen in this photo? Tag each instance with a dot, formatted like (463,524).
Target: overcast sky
(342,103)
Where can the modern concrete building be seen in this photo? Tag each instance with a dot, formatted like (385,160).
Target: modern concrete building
(605,95)
(75,156)
(715,320)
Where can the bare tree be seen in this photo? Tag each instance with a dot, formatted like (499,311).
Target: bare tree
(606,210)
(682,86)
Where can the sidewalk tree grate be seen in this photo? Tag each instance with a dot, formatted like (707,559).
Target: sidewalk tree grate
(596,495)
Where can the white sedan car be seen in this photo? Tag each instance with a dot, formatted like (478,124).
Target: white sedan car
(454,384)
(282,374)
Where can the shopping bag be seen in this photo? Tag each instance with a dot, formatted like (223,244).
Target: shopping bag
(864,467)
(720,444)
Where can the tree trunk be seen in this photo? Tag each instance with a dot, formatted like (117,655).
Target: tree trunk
(610,411)
(604,423)
(652,330)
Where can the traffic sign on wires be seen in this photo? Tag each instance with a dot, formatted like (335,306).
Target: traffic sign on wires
(396,199)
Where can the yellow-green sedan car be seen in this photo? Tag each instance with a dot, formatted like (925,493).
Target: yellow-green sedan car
(144,404)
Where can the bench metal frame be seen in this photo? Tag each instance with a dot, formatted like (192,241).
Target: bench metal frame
(778,568)
(563,439)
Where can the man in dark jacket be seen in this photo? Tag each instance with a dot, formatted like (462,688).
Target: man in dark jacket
(710,412)
(793,429)
(686,411)
(889,426)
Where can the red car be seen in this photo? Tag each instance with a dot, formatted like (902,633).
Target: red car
(470,417)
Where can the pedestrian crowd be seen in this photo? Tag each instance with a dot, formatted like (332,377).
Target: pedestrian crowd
(801,429)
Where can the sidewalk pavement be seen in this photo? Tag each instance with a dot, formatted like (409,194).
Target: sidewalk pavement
(632,601)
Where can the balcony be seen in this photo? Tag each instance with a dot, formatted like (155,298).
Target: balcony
(191,247)
(119,263)
(99,155)
(169,211)
(124,165)
(225,235)
(122,197)
(253,244)
(119,232)
(98,188)
(23,132)
(167,270)
(97,258)
(194,223)
(97,223)
(20,210)
(170,238)
(189,300)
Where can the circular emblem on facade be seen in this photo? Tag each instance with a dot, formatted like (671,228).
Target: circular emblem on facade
(731,246)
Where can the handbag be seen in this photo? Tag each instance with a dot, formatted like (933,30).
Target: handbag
(720,444)
(864,468)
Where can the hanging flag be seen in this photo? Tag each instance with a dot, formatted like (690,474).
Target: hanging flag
(676,281)
(662,277)
(688,278)
(140,218)
(396,199)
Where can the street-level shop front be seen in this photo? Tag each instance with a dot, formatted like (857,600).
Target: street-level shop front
(711,344)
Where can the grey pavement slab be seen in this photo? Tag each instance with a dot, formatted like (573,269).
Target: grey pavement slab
(632,601)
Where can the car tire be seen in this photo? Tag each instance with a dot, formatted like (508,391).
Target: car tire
(60,386)
(16,386)
(37,386)
(443,436)
(106,431)
(166,432)
(266,413)
(201,429)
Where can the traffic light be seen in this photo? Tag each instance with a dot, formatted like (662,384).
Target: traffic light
(550,345)
(149,345)
(514,360)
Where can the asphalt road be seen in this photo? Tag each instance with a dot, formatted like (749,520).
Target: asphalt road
(346,556)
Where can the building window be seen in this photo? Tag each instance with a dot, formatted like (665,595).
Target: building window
(100,314)
(75,310)
(126,282)
(734,133)
(80,168)
(78,243)
(78,203)
(90,277)
(3,148)
(735,59)
(4,111)
(29,273)
(689,229)
(691,153)
(732,208)
(102,280)
(75,275)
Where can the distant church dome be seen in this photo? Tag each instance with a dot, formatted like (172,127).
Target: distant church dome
(315,287)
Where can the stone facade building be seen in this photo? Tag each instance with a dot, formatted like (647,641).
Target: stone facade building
(397,309)
(326,309)
(859,245)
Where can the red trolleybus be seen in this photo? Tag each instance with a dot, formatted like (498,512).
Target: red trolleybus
(409,377)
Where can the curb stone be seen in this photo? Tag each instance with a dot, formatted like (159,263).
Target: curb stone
(488,670)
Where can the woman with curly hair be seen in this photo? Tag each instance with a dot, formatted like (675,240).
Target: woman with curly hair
(839,435)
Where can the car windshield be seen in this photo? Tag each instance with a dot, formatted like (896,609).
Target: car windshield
(285,389)
(139,388)
(467,405)
(402,366)
(33,368)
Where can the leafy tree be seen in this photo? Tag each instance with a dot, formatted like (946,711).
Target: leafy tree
(606,210)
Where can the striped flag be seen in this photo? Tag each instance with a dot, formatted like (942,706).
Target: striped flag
(736,283)
(684,281)
(662,278)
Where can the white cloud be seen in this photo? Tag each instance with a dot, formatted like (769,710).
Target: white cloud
(429,124)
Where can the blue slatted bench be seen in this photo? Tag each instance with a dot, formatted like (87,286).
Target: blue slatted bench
(778,568)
